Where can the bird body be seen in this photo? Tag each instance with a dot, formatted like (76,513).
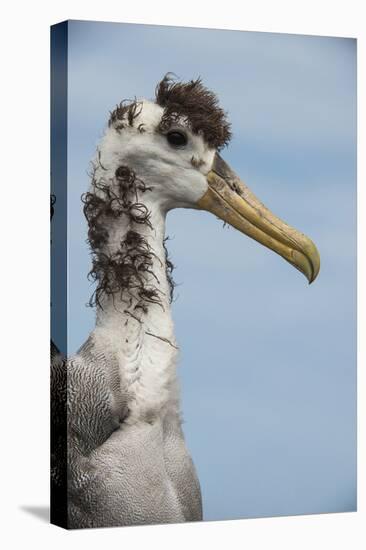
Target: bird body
(127,467)
(127,459)
(137,467)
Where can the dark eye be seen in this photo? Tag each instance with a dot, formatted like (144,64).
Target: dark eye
(177,139)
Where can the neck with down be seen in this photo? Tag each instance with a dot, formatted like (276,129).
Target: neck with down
(134,280)
(133,317)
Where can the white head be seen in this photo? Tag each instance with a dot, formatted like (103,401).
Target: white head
(170,146)
(169,143)
(173,163)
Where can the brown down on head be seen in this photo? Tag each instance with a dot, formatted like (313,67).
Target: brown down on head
(197,106)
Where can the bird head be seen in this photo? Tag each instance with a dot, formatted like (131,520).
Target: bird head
(173,145)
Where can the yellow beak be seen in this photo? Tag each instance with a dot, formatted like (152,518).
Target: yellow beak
(232,201)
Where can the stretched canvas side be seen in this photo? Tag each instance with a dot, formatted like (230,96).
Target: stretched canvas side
(59,263)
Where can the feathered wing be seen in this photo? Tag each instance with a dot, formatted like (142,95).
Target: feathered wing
(87,406)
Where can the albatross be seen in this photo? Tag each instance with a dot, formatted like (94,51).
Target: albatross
(127,462)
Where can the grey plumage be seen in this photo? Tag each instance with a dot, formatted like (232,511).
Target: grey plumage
(117,474)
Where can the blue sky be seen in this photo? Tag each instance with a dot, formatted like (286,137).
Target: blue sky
(268,363)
